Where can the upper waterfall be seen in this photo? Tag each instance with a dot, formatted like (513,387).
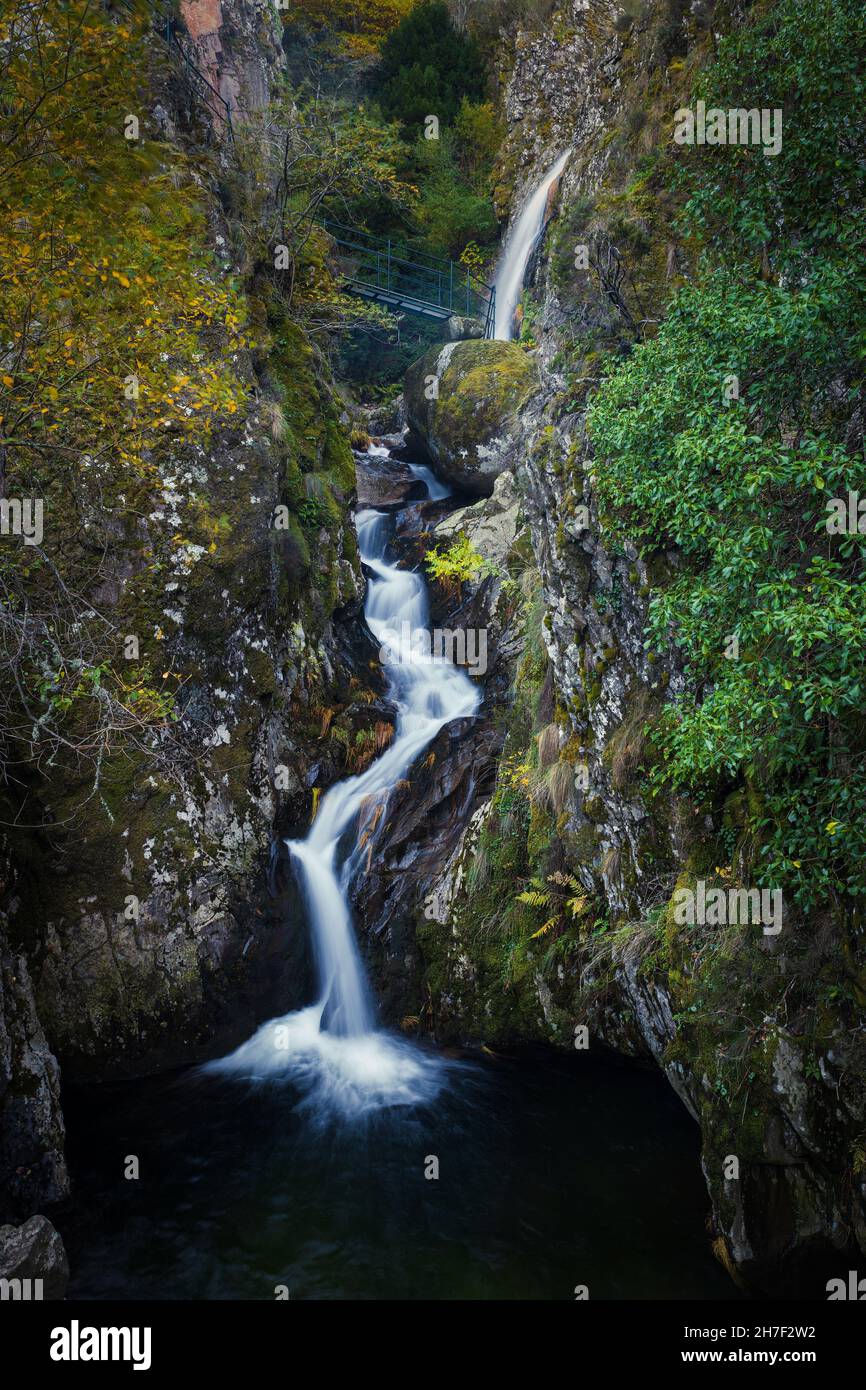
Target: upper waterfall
(518,248)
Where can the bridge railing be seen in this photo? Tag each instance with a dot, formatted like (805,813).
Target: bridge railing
(391,272)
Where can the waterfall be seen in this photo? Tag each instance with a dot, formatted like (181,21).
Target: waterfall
(333,1049)
(518,248)
(435,490)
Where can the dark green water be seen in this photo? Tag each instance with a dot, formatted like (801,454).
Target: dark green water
(554,1171)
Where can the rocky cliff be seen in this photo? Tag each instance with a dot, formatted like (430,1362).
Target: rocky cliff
(770,1068)
(148,917)
(520,887)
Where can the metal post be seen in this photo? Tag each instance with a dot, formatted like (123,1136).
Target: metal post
(388,286)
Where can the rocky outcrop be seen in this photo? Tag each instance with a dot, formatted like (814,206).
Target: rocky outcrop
(385,483)
(33,1261)
(157,919)
(491,524)
(560,88)
(236,45)
(162,932)
(458,328)
(777,1088)
(462,404)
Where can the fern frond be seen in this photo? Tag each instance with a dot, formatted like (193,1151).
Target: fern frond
(551,922)
(533,898)
(564,880)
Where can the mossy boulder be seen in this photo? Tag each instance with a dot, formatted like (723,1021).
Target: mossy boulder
(462,406)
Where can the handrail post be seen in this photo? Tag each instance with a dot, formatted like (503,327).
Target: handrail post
(451,285)
(388,284)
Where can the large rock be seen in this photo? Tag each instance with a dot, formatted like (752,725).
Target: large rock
(490,524)
(32,1165)
(34,1252)
(462,406)
(386,483)
(458,328)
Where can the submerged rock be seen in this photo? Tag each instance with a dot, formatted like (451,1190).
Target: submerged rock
(462,404)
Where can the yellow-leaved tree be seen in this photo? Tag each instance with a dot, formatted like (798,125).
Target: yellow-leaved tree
(117,335)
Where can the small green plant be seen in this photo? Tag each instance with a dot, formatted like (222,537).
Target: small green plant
(567,898)
(313,514)
(457,564)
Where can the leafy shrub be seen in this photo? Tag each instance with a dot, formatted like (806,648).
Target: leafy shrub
(740,486)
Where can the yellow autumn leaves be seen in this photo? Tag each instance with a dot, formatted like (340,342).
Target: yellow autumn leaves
(115,319)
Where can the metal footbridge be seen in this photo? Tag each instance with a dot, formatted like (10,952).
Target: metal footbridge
(398,277)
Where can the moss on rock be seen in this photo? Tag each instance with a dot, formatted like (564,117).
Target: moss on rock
(462,404)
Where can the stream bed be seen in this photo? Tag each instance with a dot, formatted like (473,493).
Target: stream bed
(554,1171)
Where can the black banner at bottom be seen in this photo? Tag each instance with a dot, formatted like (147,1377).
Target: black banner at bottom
(161,1338)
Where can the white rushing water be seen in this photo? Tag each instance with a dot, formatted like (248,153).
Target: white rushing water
(435,490)
(518,248)
(333,1049)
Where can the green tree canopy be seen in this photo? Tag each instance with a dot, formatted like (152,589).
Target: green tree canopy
(427,68)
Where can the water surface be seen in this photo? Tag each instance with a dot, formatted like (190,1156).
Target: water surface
(554,1171)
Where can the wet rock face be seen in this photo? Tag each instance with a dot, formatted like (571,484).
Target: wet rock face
(385,483)
(32,1166)
(33,1259)
(427,814)
(462,404)
(424,823)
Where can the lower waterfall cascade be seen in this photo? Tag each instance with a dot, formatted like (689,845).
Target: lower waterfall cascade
(333,1048)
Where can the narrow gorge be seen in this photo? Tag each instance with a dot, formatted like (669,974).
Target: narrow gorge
(431,720)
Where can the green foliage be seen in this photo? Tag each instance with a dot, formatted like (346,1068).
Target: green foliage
(428,67)
(740,486)
(360,24)
(808,61)
(458,563)
(328,159)
(451,212)
(479,133)
(566,897)
(314,513)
